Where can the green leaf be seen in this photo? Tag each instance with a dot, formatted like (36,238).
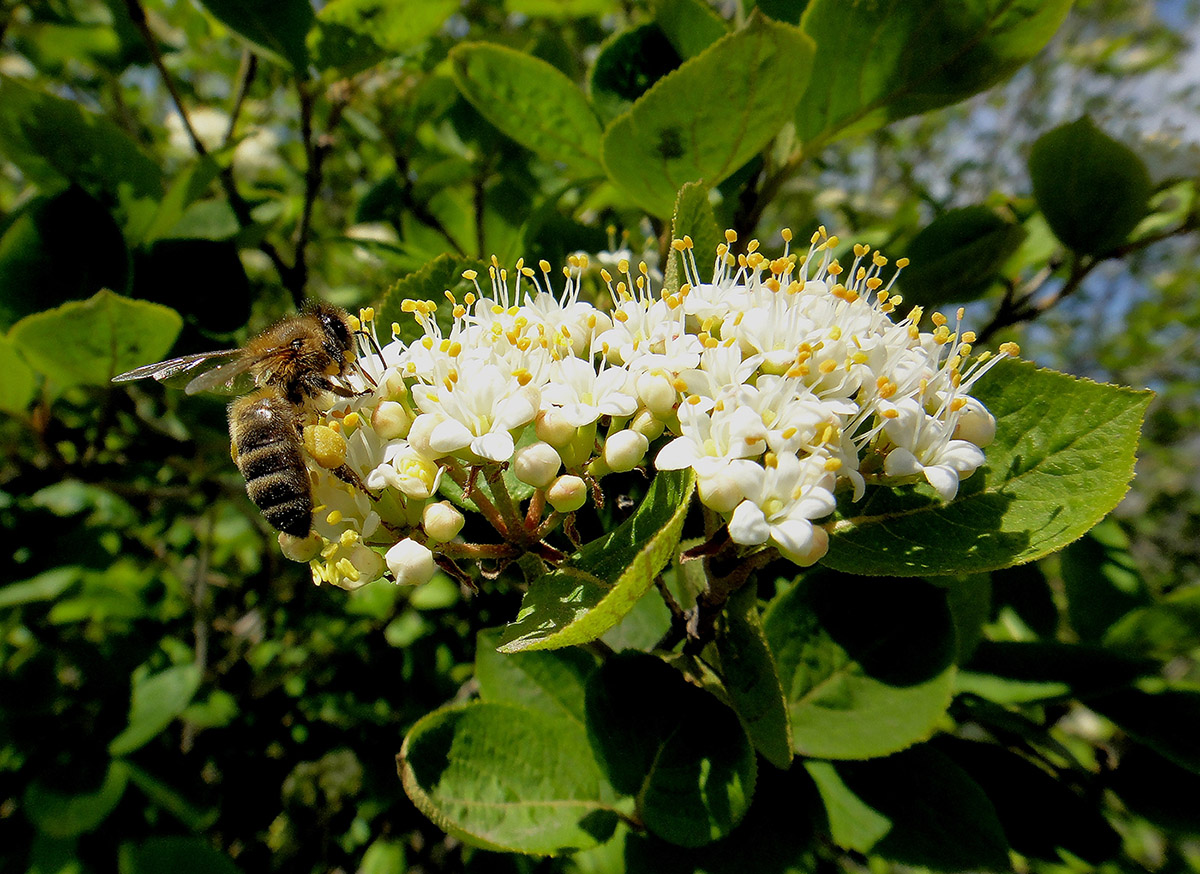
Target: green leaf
(352,35)
(709,117)
(866,664)
(1084,669)
(970,601)
(276,27)
(693,217)
(958,256)
(46,586)
(532,102)
(678,750)
(1141,780)
(1037,810)
(60,815)
(188,186)
(751,677)
(69,497)
(157,699)
(19,386)
(1101,580)
(507,777)
(1163,630)
(853,824)
(559,8)
(54,142)
(628,64)
(1092,189)
(384,856)
(59,248)
(939,817)
(89,342)
(690,25)
(1167,722)
(443,273)
(178,855)
(552,682)
(591,593)
(1062,459)
(877,62)
(202,280)
(170,800)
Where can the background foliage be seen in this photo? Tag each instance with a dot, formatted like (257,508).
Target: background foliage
(174,693)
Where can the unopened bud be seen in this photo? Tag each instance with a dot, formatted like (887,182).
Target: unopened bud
(567,493)
(442,521)
(536,464)
(656,393)
(553,428)
(720,492)
(301,549)
(975,424)
(390,420)
(817,547)
(410,562)
(394,387)
(648,424)
(625,450)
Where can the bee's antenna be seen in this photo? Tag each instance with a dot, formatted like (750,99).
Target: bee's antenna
(373,344)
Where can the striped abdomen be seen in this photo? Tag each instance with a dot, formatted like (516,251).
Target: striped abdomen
(265,435)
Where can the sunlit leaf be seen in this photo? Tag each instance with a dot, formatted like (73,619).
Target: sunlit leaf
(1062,459)
(89,342)
(866,664)
(709,117)
(532,102)
(877,62)
(508,777)
(590,594)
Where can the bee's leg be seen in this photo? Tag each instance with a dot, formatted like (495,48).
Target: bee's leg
(347,475)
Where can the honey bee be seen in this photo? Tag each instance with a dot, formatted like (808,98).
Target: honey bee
(290,365)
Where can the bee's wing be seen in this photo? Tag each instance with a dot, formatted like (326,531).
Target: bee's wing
(163,370)
(230,377)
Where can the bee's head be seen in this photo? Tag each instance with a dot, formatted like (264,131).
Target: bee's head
(339,340)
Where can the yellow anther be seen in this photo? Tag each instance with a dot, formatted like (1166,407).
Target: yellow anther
(470,275)
(334,517)
(1010,349)
(786,233)
(730,236)
(833,464)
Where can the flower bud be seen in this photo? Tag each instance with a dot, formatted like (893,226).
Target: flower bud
(326,446)
(656,393)
(394,387)
(553,428)
(390,420)
(975,424)
(720,492)
(410,563)
(648,424)
(536,464)
(818,546)
(625,450)
(442,521)
(567,493)
(302,549)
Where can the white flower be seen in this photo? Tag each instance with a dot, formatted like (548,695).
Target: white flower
(780,502)
(582,394)
(475,411)
(924,446)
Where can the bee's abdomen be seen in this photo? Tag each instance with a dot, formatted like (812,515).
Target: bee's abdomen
(270,457)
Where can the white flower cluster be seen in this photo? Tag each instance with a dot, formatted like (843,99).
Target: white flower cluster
(778,381)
